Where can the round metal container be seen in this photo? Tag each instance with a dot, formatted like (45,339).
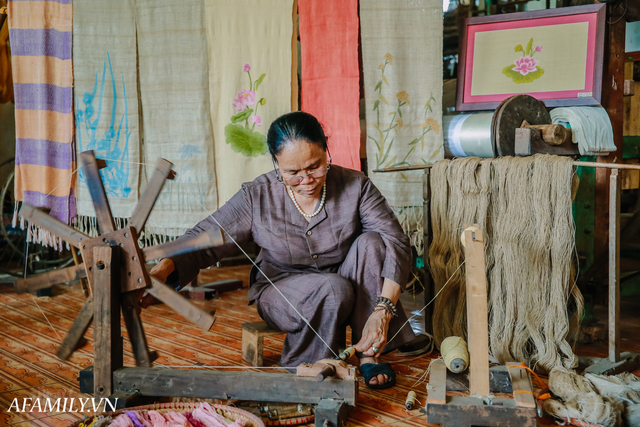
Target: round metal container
(469,134)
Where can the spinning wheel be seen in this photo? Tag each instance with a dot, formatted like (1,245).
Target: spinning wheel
(118,253)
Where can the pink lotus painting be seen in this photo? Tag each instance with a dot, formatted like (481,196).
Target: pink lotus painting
(525,69)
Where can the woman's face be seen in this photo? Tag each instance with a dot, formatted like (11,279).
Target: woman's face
(300,158)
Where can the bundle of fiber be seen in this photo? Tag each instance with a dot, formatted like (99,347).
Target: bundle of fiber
(625,389)
(598,402)
(523,206)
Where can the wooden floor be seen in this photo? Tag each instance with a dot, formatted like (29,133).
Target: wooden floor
(32,328)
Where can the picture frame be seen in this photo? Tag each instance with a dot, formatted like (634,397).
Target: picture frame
(504,55)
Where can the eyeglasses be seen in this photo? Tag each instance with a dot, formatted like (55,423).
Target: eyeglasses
(296,180)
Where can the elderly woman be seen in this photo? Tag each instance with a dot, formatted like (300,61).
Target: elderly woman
(329,243)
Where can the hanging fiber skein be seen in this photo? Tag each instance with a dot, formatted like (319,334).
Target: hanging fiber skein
(455,354)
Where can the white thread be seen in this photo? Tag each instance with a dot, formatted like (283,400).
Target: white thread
(432,300)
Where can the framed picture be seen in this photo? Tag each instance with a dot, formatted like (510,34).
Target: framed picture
(554,55)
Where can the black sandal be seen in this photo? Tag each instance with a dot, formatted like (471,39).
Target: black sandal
(370,370)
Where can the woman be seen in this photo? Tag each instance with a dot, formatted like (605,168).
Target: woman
(329,243)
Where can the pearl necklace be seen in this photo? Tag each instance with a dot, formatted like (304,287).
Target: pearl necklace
(293,198)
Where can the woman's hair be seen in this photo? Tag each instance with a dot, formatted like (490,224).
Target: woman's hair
(290,127)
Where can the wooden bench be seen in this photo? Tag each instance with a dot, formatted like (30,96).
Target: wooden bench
(253,334)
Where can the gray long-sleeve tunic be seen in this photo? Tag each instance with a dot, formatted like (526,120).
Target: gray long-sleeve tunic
(263,211)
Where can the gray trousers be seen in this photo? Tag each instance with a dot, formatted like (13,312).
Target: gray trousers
(330,302)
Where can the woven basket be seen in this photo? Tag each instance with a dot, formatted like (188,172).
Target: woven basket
(229,412)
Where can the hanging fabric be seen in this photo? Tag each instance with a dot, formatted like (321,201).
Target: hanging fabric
(330,77)
(249,84)
(40,36)
(174,95)
(402,63)
(106,103)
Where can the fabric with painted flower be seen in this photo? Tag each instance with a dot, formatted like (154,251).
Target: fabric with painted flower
(403,96)
(400,122)
(433,123)
(525,65)
(389,58)
(380,67)
(257,120)
(246,68)
(538,48)
(245,98)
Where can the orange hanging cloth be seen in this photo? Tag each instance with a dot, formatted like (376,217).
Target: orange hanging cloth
(6,82)
(330,77)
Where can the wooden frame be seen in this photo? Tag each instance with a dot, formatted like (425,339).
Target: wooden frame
(466,101)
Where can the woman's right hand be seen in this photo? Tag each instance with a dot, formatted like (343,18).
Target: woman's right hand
(163,269)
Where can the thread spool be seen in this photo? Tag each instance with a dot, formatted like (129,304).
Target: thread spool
(410,403)
(463,240)
(469,134)
(455,354)
(347,353)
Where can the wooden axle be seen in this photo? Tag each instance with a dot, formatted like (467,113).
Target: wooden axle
(327,368)
(550,133)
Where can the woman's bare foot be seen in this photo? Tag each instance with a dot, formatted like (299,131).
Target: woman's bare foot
(378,379)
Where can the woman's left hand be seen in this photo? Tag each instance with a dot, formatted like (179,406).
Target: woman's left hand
(374,334)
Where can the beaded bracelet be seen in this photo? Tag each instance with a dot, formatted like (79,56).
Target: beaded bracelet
(386,308)
(387,302)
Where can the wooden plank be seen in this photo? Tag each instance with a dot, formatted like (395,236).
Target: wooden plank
(437,383)
(499,381)
(211,238)
(426,227)
(521,385)
(477,317)
(148,199)
(613,101)
(78,328)
(136,331)
(260,328)
(50,278)
(468,412)
(332,413)
(614,267)
(181,305)
(107,334)
(53,225)
(294,58)
(96,189)
(258,386)
(86,289)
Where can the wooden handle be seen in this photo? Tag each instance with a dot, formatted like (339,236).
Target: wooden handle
(551,134)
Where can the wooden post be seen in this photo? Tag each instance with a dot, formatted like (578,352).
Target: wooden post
(426,225)
(477,317)
(614,267)
(613,101)
(107,338)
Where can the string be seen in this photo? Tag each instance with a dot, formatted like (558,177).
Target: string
(429,303)
(272,284)
(403,419)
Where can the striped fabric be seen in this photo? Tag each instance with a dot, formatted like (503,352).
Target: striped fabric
(40,36)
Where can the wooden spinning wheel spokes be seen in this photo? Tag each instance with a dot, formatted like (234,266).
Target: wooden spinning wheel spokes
(130,259)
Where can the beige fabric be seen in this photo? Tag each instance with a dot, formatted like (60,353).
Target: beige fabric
(255,33)
(402,56)
(174,92)
(104,67)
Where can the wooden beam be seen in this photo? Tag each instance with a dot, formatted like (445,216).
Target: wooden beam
(107,334)
(78,328)
(614,267)
(147,201)
(477,317)
(613,102)
(135,330)
(180,304)
(98,194)
(258,386)
(50,278)
(211,238)
(52,225)
(426,236)
(521,385)
(437,394)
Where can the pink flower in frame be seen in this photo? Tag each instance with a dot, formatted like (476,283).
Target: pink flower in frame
(538,48)
(245,98)
(257,120)
(525,65)
(246,68)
